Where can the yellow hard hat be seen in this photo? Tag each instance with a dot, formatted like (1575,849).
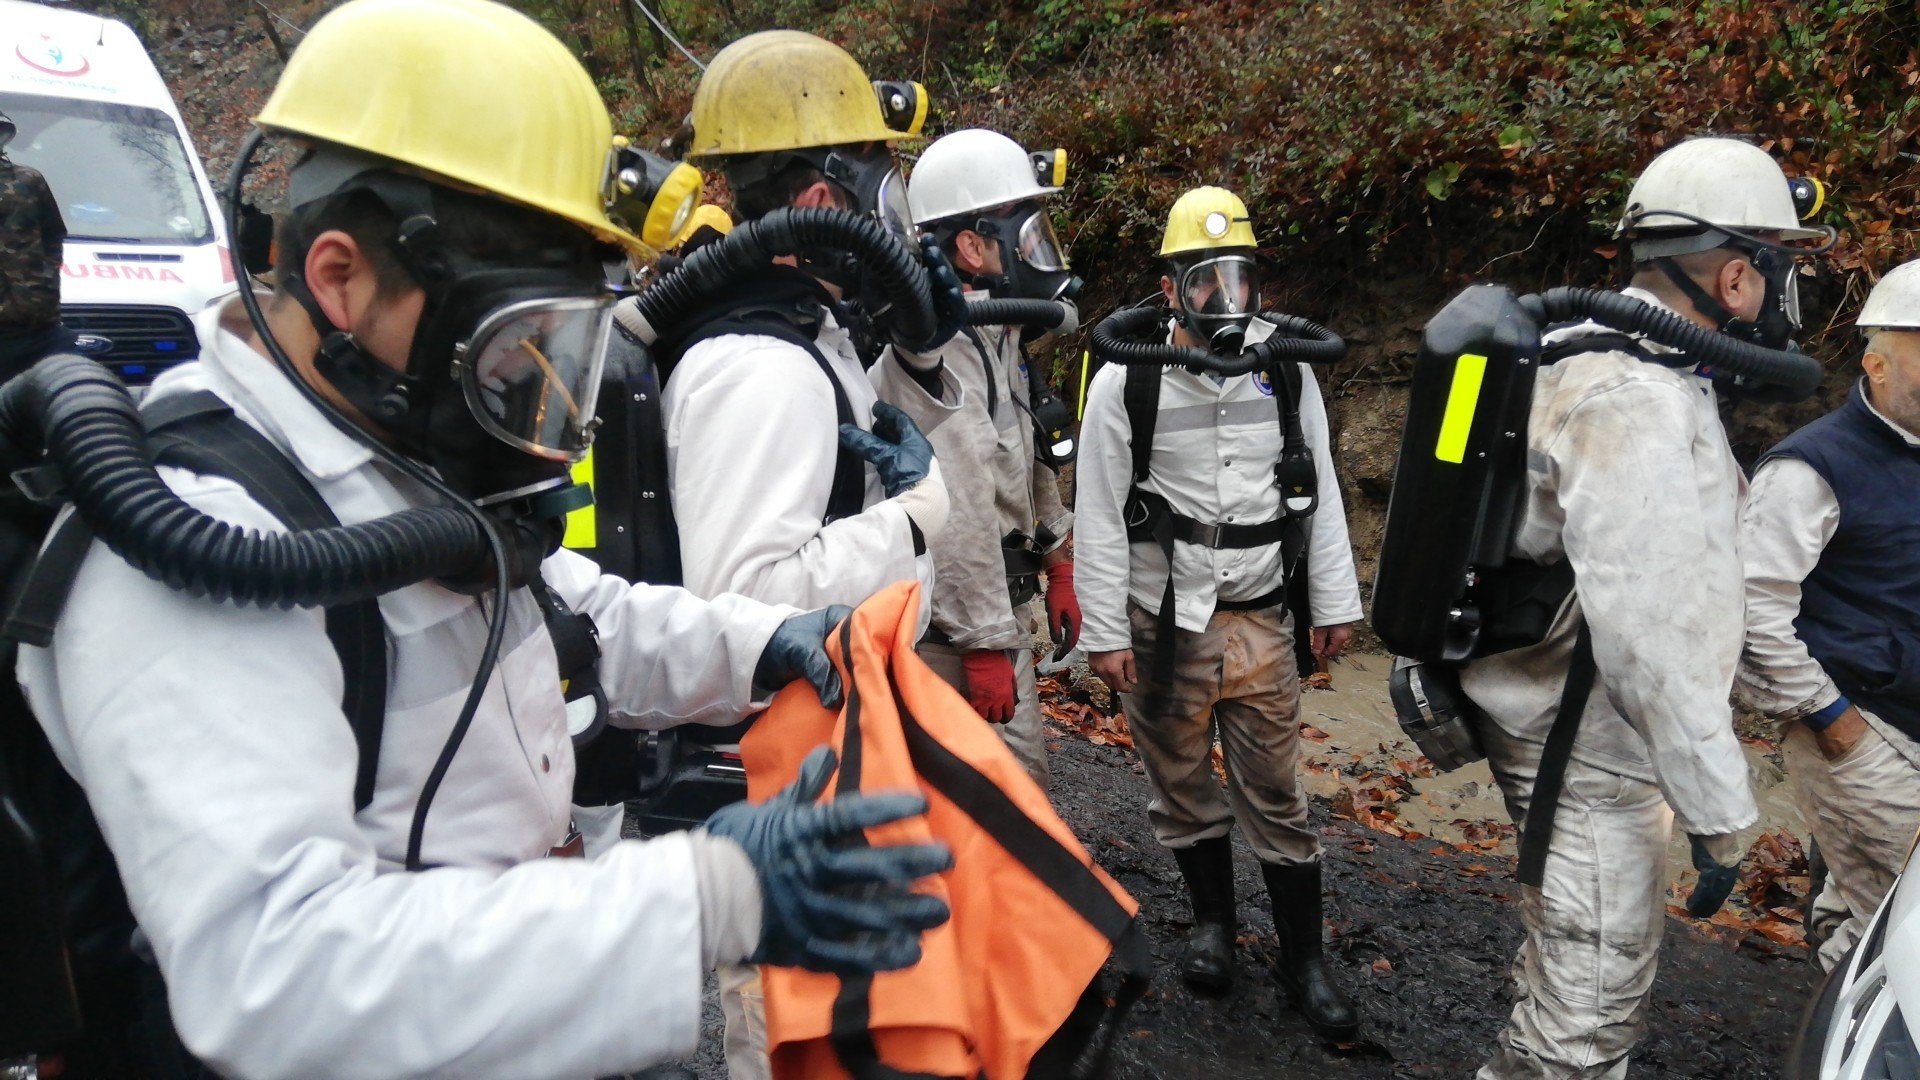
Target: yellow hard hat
(1207,218)
(708,216)
(468,90)
(785,90)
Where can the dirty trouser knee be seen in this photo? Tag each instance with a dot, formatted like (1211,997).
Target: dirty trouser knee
(744,1007)
(1238,673)
(1864,810)
(1585,971)
(1026,733)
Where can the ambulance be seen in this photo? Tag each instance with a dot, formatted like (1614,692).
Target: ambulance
(146,245)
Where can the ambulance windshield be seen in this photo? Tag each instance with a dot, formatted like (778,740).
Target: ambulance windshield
(119,172)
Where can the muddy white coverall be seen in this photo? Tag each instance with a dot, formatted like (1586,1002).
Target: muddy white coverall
(752,440)
(1629,476)
(1214,449)
(997,488)
(211,743)
(1864,807)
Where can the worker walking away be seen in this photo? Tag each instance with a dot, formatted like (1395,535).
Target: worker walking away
(977,193)
(792,481)
(1185,542)
(1831,542)
(31,237)
(1630,486)
(332,821)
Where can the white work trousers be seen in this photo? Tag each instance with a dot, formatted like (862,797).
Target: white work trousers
(1864,809)
(1585,971)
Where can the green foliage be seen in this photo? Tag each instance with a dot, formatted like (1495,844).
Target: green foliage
(1439,131)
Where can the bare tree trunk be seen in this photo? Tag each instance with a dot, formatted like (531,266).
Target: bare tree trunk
(634,55)
(273,34)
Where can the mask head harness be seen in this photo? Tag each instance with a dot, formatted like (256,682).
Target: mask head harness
(499,389)
(1217,296)
(867,175)
(1779,316)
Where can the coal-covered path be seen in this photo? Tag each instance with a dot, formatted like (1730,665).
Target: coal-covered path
(1422,934)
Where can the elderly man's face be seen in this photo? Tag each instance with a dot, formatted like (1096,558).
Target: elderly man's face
(1893,376)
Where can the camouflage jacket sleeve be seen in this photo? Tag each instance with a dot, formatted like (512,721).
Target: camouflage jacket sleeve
(31,235)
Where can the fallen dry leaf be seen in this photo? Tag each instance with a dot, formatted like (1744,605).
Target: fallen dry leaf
(1383,966)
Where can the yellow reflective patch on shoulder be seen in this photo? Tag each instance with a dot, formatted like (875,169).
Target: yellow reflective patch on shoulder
(1462,401)
(582,528)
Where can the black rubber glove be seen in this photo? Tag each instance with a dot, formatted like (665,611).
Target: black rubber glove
(899,452)
(1716,880)
(949,297)
(798,650)
(828,901)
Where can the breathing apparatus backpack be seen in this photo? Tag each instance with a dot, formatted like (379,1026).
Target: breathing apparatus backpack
(1132,337)
(1448,589)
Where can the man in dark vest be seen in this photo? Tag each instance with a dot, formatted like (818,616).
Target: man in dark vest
(1831,541)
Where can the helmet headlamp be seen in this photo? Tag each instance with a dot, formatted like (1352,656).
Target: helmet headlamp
(902,104)
(648,195)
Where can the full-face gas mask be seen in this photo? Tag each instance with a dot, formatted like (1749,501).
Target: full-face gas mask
(1216,299)
(1033,262)
(501,381)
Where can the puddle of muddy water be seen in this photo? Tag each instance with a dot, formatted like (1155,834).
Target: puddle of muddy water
(1362,735)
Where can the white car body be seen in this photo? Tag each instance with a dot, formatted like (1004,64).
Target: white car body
(1858,1029)
(146,244)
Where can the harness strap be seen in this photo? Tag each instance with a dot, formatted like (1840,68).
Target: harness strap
(1537,835)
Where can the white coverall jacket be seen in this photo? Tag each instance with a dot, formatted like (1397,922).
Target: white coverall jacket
(212,746)
(1629,475)
(996,487)
(1214,449)
(752,439)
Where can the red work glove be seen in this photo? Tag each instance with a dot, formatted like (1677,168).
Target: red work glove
(1063,608)
(989,684)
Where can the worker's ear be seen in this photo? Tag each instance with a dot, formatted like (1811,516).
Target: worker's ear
(820,193)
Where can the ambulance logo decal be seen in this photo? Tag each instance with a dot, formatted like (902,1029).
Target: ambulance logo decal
(44,52)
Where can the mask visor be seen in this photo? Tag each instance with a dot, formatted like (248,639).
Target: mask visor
(1038,247)
(890,206)
(1227,287)
(531,373)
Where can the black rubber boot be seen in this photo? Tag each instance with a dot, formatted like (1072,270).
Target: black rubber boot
(1207,866)
(1295,894)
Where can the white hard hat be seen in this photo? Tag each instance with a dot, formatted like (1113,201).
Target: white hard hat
(1894,304)
(1708,181)
(974,170)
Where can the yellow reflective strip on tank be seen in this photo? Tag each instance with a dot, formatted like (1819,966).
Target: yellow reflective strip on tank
(1462,400)
(582,530)
(1086,363)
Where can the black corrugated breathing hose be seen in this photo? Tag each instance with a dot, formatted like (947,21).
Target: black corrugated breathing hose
(1117,339)
(1039,314)
(1794,375)
(82,419)
(746,251)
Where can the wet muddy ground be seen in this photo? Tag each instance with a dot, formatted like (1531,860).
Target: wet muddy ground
(1422,929)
